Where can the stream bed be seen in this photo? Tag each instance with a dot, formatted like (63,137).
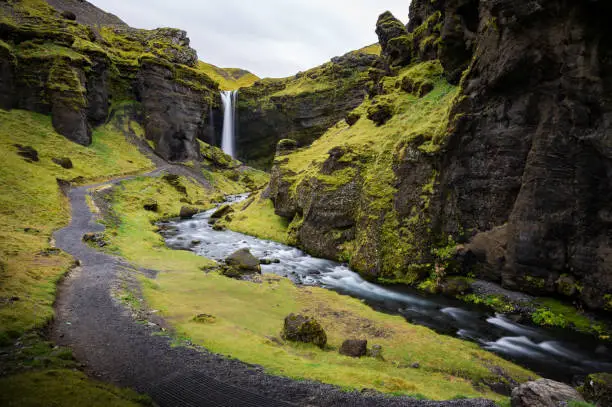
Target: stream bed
(558,354)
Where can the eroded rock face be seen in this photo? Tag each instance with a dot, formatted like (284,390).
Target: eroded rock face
(522,180)
(394,40)
(272,110)
(543,393)
(534,148)
(72,72)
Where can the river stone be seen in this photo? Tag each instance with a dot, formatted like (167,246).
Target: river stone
(543,393)
(300,328)
(598,389)
(188,212)
(221,212)
(354,347)
(244,261)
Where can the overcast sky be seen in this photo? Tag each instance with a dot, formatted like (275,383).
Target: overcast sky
(271,38)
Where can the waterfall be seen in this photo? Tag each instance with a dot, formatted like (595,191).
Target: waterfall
(228,97)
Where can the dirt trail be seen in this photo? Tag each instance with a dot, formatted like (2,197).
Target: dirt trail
(115,348)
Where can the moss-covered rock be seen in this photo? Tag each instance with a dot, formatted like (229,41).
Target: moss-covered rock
(394,40)
(380,112)
(300,328)
(597,389)
(243,261)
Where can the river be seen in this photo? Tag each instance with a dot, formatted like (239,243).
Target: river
(558,354)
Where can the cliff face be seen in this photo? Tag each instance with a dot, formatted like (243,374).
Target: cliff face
(300,107)
(515,184)
(52,64)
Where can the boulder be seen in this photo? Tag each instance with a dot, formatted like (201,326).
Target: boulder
(380,112)
(27,152)
(222,211)
(354,347)
(63,162)
(352,118)
(244,261)
(188,212)
(597,389)
(376,352)
(265,261)
(150,205)
(300,328)
(543,393)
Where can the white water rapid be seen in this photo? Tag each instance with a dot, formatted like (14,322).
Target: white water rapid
(228,97)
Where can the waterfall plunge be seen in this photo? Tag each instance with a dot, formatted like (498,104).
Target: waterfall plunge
(228,97)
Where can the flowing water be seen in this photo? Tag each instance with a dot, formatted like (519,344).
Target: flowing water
(228,97)
(553,353)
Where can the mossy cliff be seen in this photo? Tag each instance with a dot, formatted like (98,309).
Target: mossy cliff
(482,148)
(301,107)
(77,69)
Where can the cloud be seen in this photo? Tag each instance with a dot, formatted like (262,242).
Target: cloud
(271,38)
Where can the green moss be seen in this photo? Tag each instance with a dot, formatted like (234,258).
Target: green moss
(535,282)
(63,387)
(499,303)
(552,312)
(228,78)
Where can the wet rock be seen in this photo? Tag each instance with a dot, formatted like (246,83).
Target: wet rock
(188,212)
(354,347)
(27,152)
(380,112)
(222,211)
(63,162)
(352,118)
(195,242)
(543,393)
(276,261)
(244,261)
(597,389)
(150,205)
(300,328)
(376,352)
(454,286)
(265,261)
(218,227)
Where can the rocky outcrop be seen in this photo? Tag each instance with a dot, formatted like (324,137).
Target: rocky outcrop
(76,72)
(520,178)
(300,108)
(543,393)
(597,389)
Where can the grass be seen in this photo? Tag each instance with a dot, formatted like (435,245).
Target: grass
(61,387)
(256,217)
(248,317)
(228,78)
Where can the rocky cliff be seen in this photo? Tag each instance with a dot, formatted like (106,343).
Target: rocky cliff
(301,107)
(78,63)
(498,164)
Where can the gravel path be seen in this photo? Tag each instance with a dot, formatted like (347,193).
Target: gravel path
(115,348)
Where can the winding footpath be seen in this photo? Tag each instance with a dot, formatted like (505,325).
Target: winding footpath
(114,348)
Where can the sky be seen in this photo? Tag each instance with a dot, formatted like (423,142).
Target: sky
(271,38)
